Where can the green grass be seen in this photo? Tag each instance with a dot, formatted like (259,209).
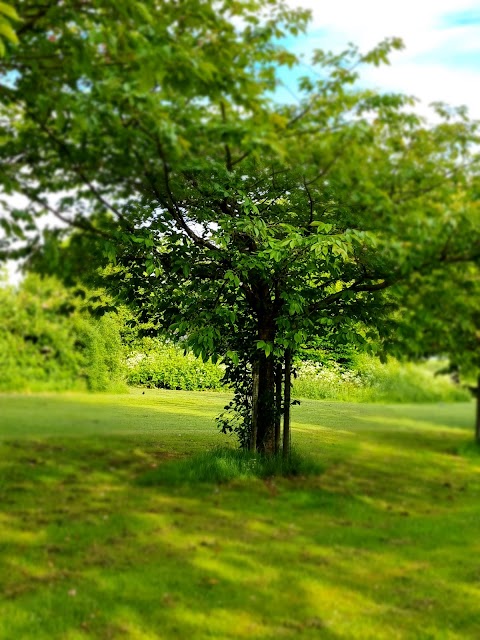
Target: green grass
(381,544)
(222,465)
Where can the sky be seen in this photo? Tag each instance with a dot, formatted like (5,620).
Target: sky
(441,59)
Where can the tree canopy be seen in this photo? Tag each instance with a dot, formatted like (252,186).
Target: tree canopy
(439,315)
(246,225)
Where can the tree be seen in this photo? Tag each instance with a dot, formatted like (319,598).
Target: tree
(439,316)
(51,338)
(244,225)
(75,259)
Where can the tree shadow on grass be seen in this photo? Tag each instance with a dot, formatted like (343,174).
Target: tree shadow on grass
(87,553)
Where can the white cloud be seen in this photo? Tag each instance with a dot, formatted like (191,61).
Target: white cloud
(370,20)
(438,63)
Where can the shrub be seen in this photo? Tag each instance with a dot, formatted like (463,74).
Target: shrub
(371,381)
(50,342)
(156,364)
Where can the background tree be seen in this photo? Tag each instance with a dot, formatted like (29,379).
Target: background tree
(73,258)
(245,226)
(51,338)
(439,316)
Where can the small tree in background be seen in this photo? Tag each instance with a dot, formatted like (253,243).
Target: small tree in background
(439,316)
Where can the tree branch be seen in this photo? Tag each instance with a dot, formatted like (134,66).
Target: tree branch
(84,226)
(310,200)
(177,215)
(228,155)
(80,173)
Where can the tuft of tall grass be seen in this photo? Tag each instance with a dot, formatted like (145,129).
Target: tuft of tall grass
(222,465)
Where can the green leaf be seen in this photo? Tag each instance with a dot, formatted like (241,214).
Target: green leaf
(9,11)
(7,31)
(233,355)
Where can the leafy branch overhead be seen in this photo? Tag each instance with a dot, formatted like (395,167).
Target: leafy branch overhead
(9,18)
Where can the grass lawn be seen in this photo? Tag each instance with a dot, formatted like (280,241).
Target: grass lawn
(383,544)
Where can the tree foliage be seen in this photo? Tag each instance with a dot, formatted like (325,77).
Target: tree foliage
(51,339)
(245,225)
(8,20)
(439,315)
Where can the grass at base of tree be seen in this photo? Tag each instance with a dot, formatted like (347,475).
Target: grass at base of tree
(223,465)
(382,544)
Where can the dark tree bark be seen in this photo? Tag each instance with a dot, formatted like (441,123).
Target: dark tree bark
(265,365)
(255,387)
(477,420)
(286,402)
(278,404)
(266,405)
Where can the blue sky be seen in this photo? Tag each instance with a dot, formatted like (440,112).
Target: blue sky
(465,18)
(441,61)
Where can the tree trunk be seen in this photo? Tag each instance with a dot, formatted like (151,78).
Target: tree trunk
(266,405)
(255,387)
(286,403)
(265,410)
(278,404)
(477,420)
